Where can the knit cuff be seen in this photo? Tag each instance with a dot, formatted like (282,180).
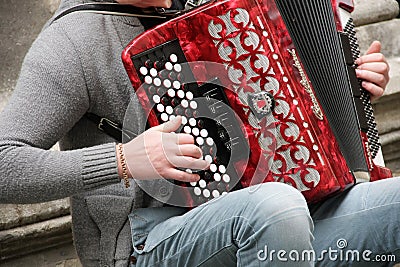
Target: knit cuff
(100,166)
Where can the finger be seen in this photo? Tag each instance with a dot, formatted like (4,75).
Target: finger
(179,175)
(375,57)
(375,47)
(372,77)
(379,67)
(374,89)
(189,163)
(166,3)
(190,151)
(184,139)
(170,126)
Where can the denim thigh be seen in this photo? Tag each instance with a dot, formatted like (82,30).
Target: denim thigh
(211,234)
(365,218)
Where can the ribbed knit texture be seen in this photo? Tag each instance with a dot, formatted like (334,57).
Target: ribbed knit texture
(99,165)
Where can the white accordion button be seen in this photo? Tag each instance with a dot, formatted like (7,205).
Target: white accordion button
(171,93)
(167,83)
(172,117)
(160,108)
(206,193)
(208,158)
(200,141)
(226,178)
(173,58)
(189,95)
(184,120)
(216,194)
(210,141)
(185,103)
(148,79)
(169,110)
(157,82)
(204,133)
(169,66)
(143,71)
(176,85)
(192,121)
(213,168)
(187,129)
(197,191)
(156,99)
(153,72)
(195,131)
(202,183)
(193,184)
(178,67)
(181,94)
(217,177)
(193,104)
(222,169)
(164,117)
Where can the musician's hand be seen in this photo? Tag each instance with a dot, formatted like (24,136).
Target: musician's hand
(158,151)
(374,70)
(147,3)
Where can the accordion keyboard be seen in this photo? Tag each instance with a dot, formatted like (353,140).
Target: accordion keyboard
(170,87)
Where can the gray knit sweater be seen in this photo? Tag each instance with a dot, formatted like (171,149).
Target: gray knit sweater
(72,68)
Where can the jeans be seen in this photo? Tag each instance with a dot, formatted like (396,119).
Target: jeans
(271,225)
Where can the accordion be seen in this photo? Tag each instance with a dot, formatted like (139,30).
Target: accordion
(269,91)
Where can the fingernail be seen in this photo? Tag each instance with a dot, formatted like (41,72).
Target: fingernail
(357,61)
(358,72)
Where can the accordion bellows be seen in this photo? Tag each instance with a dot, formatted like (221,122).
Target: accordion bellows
(286,70)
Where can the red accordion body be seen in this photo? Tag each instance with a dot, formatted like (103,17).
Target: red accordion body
(296,143)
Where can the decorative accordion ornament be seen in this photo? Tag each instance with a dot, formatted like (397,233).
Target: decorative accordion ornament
(267,88)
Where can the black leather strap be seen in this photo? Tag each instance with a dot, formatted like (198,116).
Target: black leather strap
(111,128)
(119,10)
(148,17)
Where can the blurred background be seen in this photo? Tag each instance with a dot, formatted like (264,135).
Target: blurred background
(40,234)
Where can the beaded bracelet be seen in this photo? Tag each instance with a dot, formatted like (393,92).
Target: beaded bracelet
(123,165)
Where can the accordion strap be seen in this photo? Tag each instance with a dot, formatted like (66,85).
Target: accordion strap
(110,127)
(149,17)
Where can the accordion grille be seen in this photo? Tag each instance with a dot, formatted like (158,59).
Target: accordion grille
(312,28)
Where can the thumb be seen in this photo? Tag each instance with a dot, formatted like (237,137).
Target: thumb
(170,126)
(375,47)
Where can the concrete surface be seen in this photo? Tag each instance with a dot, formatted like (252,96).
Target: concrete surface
(20,21)
(371,11)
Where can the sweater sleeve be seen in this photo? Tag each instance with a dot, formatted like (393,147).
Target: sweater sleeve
(49,98)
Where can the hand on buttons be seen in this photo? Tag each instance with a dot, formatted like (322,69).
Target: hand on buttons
(159,152)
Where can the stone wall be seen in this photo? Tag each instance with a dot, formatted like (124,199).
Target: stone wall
(377,20)
(42,231)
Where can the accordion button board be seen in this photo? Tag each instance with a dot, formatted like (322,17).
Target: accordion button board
(169,84)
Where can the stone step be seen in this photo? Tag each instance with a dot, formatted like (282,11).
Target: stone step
(387,32)
(16,215)
(372,11)
(387,108)
(387,114)
(35,237)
